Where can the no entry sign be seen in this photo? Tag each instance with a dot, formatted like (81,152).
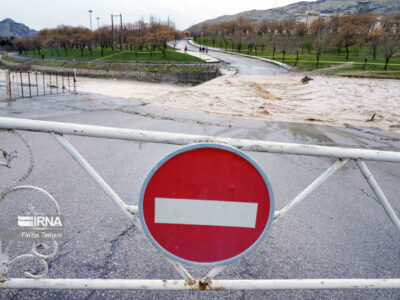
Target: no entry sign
(206,204)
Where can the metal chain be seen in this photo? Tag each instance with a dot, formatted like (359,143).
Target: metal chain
(27,173)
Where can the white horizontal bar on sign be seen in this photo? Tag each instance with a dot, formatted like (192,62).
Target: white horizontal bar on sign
(205,212)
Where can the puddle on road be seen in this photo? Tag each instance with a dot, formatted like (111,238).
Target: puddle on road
(307,132)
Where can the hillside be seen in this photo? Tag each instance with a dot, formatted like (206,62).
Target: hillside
(9,28)
(379,7)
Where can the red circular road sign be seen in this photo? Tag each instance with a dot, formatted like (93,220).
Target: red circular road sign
(206,204)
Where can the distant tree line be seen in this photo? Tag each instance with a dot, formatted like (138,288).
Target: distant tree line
(6,43)
(340,31)
(137,37)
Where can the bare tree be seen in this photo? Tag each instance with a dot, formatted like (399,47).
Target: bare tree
(103,37)
(37,44)
(177,35)
(322,37)
(390,45)
(347,36)
(151,42)
(288,28)
(213,32)
(301,32)
(163,34)
(390,38)
(242,28)
(251,40)
(20,45)
(374,38)
(228,30)
(274,28)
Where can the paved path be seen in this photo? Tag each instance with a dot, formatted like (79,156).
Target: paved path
(340,231)
(180,47)
(243,65)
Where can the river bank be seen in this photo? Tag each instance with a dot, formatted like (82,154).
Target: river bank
(175,73)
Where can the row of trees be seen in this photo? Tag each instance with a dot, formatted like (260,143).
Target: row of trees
(137,37)
(340,31)
(6,43)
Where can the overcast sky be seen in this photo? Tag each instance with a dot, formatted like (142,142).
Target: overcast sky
(38,14)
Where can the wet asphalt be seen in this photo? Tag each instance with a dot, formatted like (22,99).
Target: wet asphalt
(243,65)
(339,231)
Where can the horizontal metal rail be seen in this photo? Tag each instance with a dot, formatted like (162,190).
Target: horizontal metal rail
(157,284)
(183,139)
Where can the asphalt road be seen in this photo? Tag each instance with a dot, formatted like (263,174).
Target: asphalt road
(340,231)
(243,65)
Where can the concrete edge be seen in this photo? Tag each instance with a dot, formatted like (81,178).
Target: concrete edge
(100,62)
(285,66)
(208,72)
(223,73)
(22,59)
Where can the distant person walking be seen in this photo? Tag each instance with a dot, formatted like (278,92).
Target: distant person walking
(186,49)
(206,49)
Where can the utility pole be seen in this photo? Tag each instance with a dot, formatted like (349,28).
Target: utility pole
(122,36)
(98,24)
(112,33)
(90,16)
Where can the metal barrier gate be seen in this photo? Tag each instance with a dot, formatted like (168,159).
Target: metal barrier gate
(57,130)
(34,83)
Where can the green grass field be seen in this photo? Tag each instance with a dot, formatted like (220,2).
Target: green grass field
(109,66)
(156,56)
(307,61)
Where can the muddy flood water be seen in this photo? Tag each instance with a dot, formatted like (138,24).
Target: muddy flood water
(323,100)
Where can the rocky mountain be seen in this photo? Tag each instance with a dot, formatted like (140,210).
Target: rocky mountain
(9,28)
(379,7)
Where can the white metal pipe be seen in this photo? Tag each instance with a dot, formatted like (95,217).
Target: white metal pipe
(308,190)
(215,272)
(183,139)
(94,175)
(180,269)
(379,193)
(132,209)
(157,284)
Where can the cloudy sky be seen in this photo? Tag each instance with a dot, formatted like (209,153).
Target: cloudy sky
(38,14)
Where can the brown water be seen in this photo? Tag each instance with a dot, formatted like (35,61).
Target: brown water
(324,100)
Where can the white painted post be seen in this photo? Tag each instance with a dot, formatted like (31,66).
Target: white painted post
(75,81)
(8,84)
